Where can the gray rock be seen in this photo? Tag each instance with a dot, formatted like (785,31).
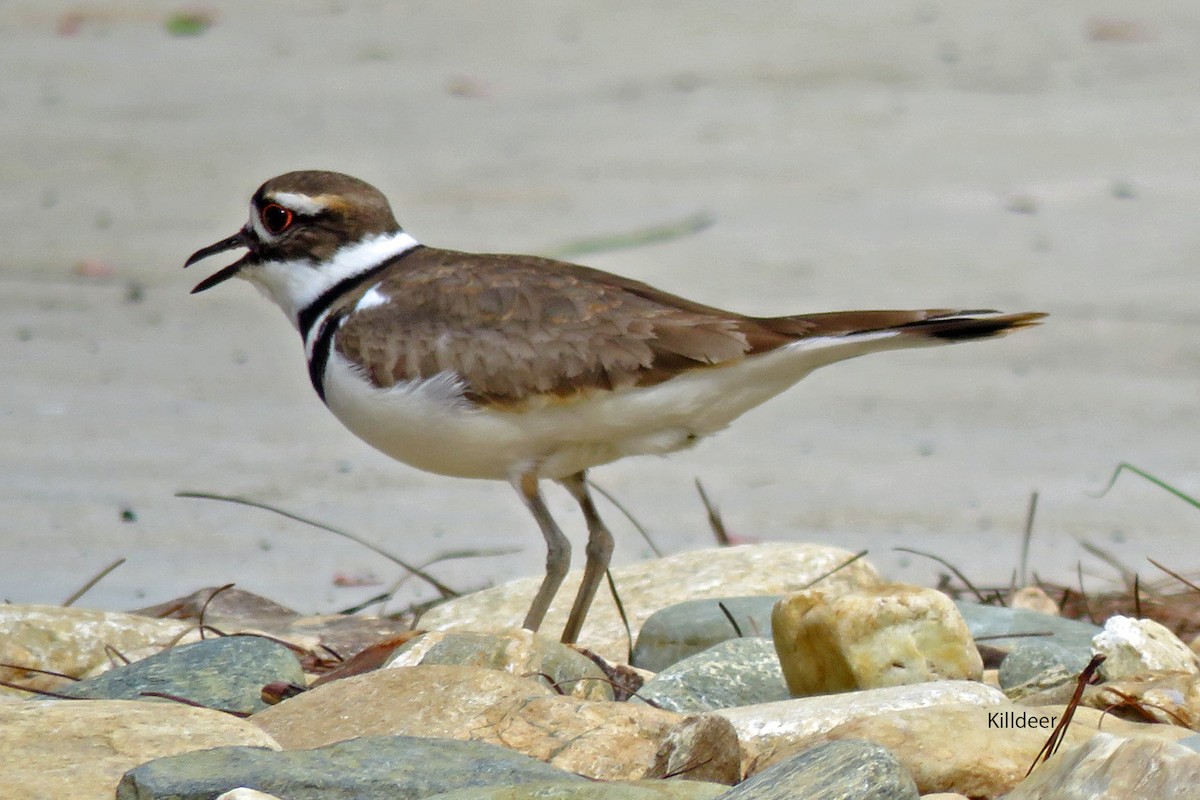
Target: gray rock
(600,790)
(832,771)
(384,767)
(1040,664)
(737,672)
(999,627)
(225,673)
(685,629)
(1192,741)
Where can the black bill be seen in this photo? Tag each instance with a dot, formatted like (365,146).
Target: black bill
(239,239)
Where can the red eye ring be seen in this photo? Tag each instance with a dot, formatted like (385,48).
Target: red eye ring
(275,218)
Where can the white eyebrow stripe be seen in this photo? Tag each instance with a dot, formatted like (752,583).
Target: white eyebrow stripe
(300,203)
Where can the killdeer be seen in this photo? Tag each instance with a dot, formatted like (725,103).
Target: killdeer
(521,368)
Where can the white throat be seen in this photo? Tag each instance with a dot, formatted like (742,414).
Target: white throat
(293,285)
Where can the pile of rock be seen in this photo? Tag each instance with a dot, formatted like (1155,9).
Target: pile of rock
(745,681)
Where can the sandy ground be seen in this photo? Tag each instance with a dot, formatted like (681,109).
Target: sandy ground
(909,154)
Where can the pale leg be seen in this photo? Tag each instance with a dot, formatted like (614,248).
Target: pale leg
(558,549)
(599,552)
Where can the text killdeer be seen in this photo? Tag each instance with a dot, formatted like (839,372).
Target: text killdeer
(521,368)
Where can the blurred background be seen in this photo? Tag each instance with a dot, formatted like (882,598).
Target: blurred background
(1017,155)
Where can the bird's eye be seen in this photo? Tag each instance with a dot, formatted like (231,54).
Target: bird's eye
(275,218)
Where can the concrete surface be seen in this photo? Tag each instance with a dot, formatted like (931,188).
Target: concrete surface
(1022,155)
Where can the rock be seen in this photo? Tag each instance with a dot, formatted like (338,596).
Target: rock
(1192,742)
(603,740)
(1034,598)
(1136,646)
(78,750)
(78,642)
(228,602)
(1008,628)
(673,633)
(242,793)
(518,652)
(630,790)
(434,701)
(226,673)
(770,728)
(884,636)
(647,586)
(700,748)
(1038,665)
(368,768)
(1111,768)
(832,771)
(979,751)
(1169,697)
(737,672)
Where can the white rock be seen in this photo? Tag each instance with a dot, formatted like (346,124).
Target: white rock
(1137,646)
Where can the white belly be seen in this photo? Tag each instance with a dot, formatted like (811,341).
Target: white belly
(429,425)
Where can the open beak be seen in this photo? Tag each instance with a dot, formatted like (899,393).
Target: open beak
(239,239)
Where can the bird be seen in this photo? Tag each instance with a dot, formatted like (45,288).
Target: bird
(522,368)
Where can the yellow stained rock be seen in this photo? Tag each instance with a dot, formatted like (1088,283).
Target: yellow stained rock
(890,635)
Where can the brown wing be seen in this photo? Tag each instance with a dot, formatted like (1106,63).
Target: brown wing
(517,326)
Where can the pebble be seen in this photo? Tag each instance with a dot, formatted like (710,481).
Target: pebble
(673,633)
(831,771)
(1113,768)
(225,673)
(602,740)
(366,768)
(737,672)
(78,750)
(768,729)
(517,652)
(888,635)
(647,586)
(1040,664)
(1034,598)
(1136,646)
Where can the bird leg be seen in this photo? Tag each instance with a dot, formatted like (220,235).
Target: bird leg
(558,549)
(599,552)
